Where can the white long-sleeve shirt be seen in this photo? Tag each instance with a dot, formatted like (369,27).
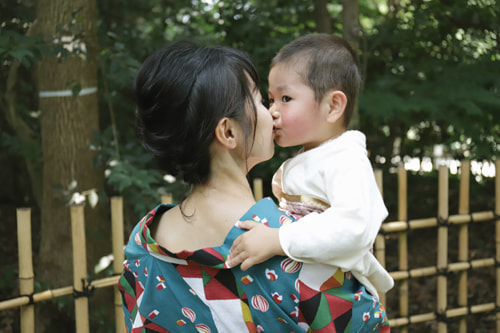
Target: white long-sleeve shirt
(338,174)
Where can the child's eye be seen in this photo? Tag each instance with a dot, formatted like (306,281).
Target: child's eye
(270,101)
(286,99)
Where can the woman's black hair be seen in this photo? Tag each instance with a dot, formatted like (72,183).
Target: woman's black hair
(182,91)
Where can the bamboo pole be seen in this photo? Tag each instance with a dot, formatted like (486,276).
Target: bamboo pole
(442,251)
(105,282)
(79,268)
(380,240)
(403,242)
(257,189)
(118,256)
(473,264)
(452,267)
(463,240)
(497,237)
(471,218)
(167,198)
(430,222)
(487,307)
(38,297)
(398,226)
(26,275)
(48,295)
(416,272)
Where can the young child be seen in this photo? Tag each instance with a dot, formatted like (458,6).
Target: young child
(329,186)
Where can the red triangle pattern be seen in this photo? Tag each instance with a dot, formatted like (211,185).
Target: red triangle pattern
(338,306)
(215,290)
(191,270)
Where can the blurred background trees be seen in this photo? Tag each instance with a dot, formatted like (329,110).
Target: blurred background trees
(431,91)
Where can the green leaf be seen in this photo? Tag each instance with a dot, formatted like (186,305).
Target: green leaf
(75,90)
(21,54)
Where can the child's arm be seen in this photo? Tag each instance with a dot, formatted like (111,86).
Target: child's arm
(257,245)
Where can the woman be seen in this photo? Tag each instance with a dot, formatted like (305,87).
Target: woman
(199,111)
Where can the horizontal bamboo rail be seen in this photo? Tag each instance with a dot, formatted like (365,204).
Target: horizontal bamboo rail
(432,270)
(387,227)
(48,295)
(414,319)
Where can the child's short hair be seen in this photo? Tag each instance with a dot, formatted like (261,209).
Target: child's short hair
(324,62)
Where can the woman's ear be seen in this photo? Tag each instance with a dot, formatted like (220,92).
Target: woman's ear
(337,102)
(226,133)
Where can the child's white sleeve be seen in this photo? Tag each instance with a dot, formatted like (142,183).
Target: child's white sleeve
(345,232)
(372,274)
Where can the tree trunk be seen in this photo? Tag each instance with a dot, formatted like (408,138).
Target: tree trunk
(322,17)
(68,124)
(351,30)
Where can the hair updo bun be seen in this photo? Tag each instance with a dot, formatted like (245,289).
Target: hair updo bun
(182,91)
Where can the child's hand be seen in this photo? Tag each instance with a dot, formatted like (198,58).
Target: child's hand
(255,246)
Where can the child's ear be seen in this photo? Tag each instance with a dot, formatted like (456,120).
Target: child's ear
(337,102)
(226,133)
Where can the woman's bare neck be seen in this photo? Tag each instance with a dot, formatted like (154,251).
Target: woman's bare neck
(205,217)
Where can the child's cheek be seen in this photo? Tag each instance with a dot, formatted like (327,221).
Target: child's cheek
(294,125)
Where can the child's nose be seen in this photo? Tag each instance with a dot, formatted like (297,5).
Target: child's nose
(274,113)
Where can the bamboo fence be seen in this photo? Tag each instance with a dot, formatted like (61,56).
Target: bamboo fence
(442,222)
(81,286)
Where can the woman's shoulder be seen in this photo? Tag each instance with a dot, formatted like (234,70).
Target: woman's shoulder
(141,237)
(266,211)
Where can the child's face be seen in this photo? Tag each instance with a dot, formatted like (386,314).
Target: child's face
(297,117)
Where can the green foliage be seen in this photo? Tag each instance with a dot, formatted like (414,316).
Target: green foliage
(430,73)
(432,79)
(130,173)
(29,150)
(15,44)
(8,279)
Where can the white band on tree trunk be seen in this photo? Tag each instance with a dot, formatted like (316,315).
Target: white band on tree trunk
(67,93)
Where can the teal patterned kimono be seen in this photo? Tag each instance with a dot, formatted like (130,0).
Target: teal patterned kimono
(195,291)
